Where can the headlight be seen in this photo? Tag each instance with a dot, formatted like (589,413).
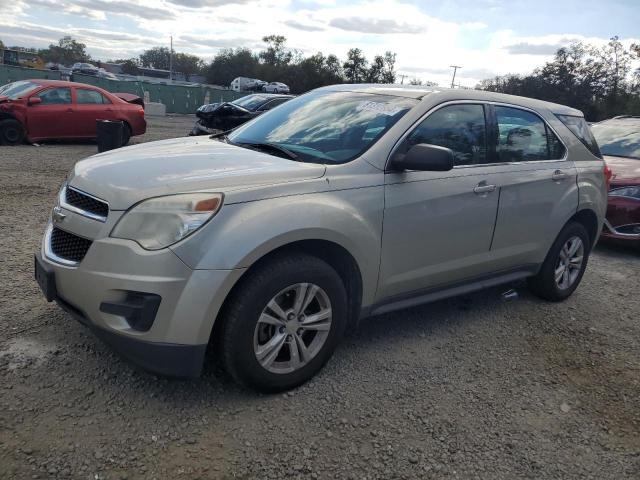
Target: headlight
(630,192)
(159,222)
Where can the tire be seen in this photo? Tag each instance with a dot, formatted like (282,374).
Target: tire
(544,284)
(244,336)
(126,133)
(11,132)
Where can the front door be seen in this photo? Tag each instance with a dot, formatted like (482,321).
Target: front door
(438,226)
(54,116)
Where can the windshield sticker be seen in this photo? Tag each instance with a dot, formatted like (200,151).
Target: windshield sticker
(383,108)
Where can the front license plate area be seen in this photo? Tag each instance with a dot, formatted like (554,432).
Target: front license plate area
(46,280)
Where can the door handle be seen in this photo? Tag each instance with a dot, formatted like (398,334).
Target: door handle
(483,188)
(70,110)
(559,176)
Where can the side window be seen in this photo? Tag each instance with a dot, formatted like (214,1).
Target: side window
(55,96)
(523,137)
(461,128)
(84,96)
(580,129)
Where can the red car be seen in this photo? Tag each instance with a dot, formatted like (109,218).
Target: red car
(38,110)
(619,141)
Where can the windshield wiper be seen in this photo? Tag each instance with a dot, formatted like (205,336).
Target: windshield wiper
(221,136)
(273,147)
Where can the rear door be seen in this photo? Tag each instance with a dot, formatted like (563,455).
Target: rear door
(54,117)
(438,226)
(538,188)
(91,105)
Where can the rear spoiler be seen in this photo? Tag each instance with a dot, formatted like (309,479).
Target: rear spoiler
(130,98)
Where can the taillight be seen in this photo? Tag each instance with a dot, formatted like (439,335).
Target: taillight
(608,174)
(141,112)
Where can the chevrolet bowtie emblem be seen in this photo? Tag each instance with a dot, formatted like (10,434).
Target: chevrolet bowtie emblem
(57,216)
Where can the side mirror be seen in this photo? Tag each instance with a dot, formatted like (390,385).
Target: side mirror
(424,157)
(34,100)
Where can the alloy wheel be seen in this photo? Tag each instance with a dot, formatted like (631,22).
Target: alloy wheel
(569,263)
(292,328)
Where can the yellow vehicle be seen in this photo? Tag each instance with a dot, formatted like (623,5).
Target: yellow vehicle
(21,58)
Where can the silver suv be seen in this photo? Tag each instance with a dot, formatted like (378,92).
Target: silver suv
(343,203)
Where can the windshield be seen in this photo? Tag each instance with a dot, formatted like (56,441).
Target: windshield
(326,127)
(250,102)
(17,90)
(618,138)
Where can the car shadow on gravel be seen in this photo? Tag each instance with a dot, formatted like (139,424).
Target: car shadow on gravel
(104,369)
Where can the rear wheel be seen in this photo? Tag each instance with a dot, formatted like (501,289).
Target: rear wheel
(564,266)
(11,132)
(126,133)
(283,323)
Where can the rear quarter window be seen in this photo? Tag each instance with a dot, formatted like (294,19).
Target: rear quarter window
(580,129)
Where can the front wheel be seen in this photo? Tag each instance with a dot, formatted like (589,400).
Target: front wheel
(11,132)
(564,266)
(283,323)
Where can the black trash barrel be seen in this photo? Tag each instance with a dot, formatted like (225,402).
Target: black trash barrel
(109,134)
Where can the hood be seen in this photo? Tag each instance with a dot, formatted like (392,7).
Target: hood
(128,175)
(625,170)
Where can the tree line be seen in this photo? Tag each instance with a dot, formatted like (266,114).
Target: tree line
(597,80)
(278,63)
(275,62)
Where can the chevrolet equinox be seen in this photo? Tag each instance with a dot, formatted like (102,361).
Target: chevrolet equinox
(349,201)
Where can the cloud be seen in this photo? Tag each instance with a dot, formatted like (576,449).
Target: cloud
(219,42)
(374,25)
(96,9)
(207,3)
(474,25)
(303,26)
(232,20)
(524,48)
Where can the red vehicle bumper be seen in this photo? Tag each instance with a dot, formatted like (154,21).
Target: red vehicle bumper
(623,220)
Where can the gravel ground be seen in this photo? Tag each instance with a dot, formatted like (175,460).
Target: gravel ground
(474,387)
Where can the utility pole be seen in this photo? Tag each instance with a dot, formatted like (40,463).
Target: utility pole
(455,69)
(171,60)
(401,78)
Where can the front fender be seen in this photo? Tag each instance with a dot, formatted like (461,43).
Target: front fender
(243,233)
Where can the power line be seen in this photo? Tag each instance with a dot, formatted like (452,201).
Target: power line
(455,69)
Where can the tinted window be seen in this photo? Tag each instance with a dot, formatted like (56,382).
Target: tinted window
(580,129)
(326,127)
(619,138)
(250,102)
(523,137)
(273,103)
(55,96)
(458,127)
(90,96)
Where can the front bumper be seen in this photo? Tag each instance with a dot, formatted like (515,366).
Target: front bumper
(167,359)
(113,268)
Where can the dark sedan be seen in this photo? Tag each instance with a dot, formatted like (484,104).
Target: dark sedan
(619,140)
(215,117)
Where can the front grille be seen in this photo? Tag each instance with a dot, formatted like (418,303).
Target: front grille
(84,202)
(68,246)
